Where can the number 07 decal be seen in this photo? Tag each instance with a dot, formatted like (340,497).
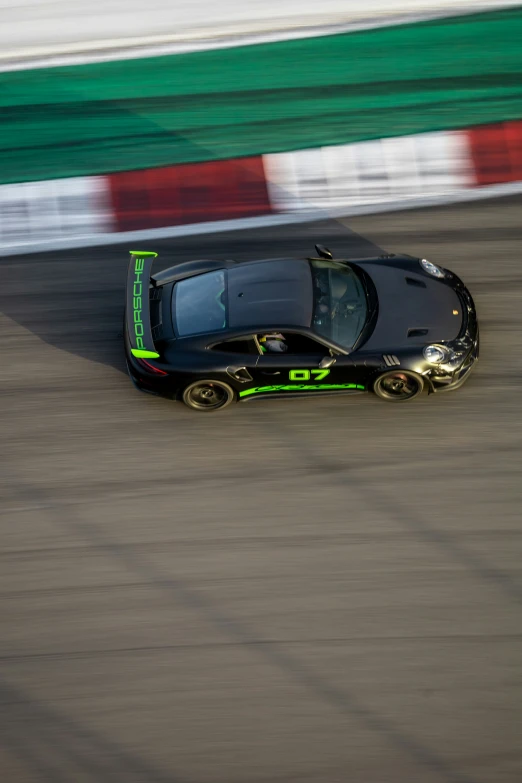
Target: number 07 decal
(304,375)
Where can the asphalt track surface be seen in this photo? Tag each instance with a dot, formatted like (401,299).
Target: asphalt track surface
(303,591)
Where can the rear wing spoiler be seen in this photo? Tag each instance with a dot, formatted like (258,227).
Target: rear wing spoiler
(137,301)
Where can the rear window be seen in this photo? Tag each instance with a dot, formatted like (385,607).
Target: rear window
(199,304)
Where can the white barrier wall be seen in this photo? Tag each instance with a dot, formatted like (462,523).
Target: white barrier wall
(40,28)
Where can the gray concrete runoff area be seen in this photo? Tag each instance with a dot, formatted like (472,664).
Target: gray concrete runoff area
(314,591)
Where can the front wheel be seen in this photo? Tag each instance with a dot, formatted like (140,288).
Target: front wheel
(208,395)
(398,385)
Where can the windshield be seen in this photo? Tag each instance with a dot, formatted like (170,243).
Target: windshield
(199,304)
(340,306)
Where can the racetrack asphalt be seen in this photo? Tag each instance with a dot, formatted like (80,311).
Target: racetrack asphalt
(310,591)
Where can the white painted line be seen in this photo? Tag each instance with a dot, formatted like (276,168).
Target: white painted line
(263,221)
(136,47)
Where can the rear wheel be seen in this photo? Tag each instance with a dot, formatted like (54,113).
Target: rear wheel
(208,395)
(398,385)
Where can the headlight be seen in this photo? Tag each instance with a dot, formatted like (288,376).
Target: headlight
(435,354)
(431,269)
(455,360)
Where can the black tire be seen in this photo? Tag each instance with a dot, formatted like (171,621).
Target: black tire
(398,385)
(208,395)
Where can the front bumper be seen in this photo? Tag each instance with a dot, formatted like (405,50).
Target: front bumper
(452,381)
(468,341)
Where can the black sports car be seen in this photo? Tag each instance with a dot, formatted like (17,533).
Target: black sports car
(215,332)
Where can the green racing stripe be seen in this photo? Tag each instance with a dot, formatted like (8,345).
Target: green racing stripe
(300,387)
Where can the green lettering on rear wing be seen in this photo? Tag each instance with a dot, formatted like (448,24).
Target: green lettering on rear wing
(137,301)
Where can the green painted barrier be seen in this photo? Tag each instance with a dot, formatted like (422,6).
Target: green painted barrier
(62,122)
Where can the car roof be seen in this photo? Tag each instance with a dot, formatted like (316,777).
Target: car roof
(272,291)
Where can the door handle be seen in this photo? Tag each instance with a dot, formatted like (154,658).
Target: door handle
(271,373)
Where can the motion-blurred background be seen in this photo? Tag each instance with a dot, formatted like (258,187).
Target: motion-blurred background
(122,127)
(311,591)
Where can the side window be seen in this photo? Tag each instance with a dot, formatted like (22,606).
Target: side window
(244,345)
(298,344)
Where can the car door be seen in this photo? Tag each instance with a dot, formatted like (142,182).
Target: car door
(236,358)
(310,371)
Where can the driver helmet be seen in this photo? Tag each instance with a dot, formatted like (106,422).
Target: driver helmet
(273,343)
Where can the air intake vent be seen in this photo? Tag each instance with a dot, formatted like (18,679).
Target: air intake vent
(390,360)
(417,332)
(415,283)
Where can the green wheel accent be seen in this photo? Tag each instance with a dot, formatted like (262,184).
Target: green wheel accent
(143,253)
(141,354)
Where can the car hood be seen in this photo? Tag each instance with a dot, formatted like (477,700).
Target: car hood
(414,308)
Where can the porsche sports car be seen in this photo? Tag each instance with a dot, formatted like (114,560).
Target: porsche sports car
(211,333)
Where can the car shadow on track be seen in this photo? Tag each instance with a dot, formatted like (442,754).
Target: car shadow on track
(73,299)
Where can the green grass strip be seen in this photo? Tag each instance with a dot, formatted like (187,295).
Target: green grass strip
(98,118)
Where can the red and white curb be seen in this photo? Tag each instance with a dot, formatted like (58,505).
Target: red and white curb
(265,190)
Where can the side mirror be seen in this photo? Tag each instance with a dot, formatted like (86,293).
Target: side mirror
(323,252)
(327,362)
